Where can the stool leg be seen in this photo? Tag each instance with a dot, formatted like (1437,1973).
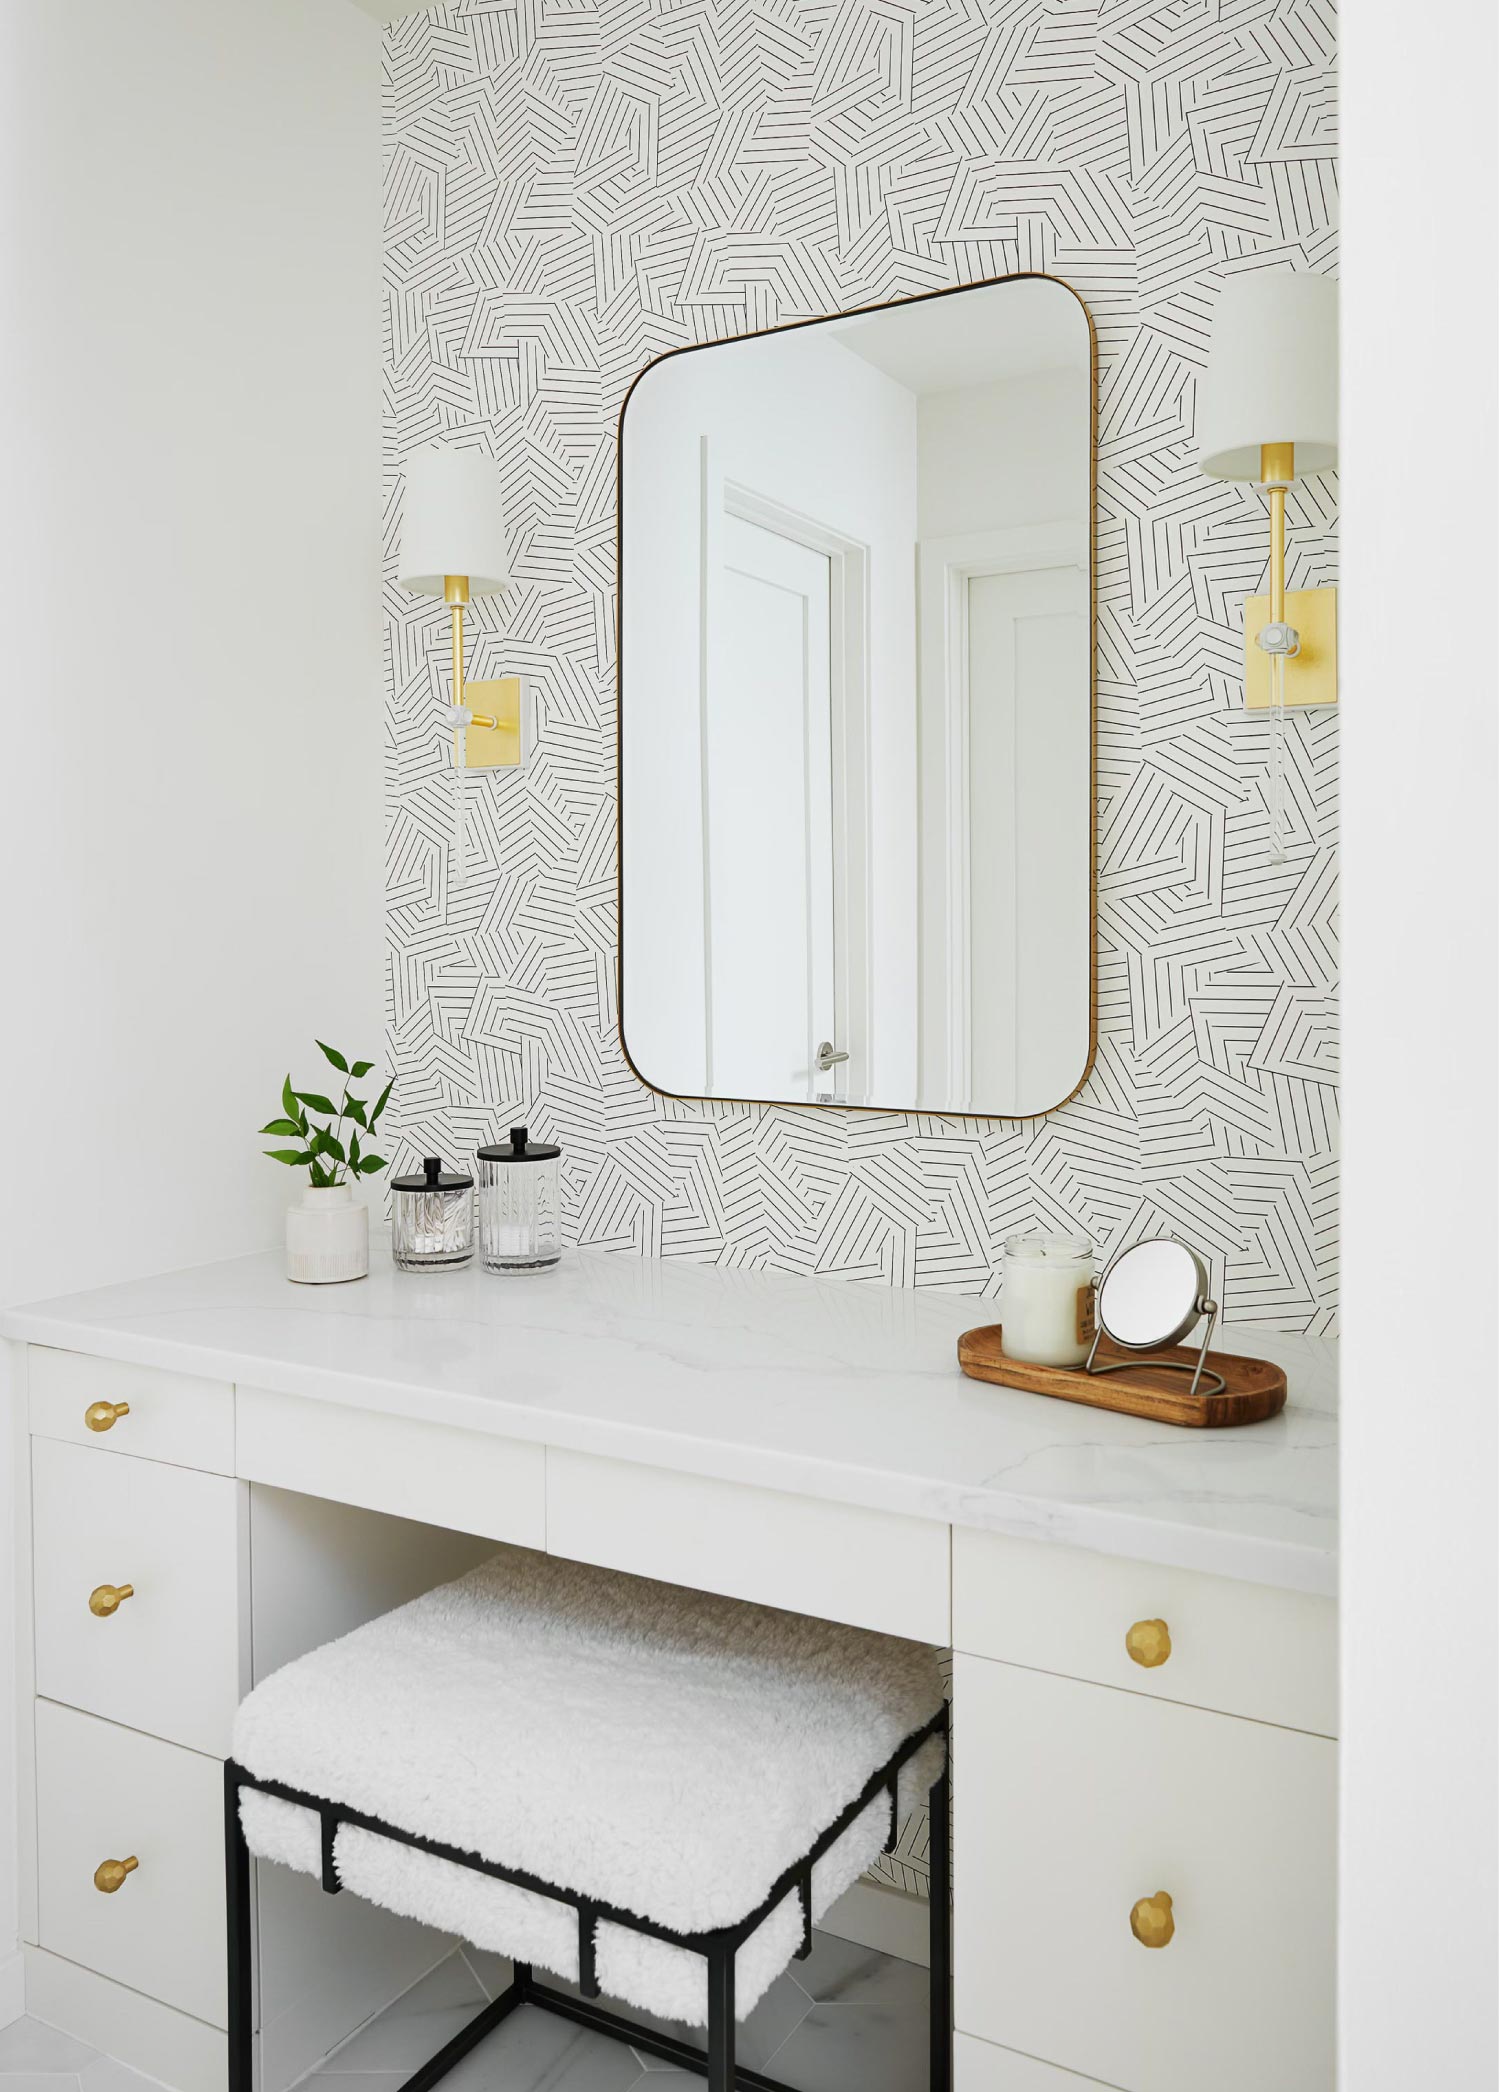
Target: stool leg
(237,1932)
(940,1941)
(721,2019)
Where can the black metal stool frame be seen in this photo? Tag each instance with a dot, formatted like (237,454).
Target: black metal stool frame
(717,1948)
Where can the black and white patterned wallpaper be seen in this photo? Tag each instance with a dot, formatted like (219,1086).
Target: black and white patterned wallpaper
(574,186)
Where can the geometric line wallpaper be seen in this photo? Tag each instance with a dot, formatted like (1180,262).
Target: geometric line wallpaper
(574,186)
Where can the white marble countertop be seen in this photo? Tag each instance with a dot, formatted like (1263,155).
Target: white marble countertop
(827,1389)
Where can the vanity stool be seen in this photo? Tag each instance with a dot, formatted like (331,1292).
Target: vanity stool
(647,1791)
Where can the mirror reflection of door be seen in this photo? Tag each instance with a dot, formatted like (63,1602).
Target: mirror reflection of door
(856,709)
(768,818)
(1028,648)
(1005,643)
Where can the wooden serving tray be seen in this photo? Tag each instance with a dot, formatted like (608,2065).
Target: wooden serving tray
(1255,1388)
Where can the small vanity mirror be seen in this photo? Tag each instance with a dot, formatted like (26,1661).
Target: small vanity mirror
(1153,1296)
(856,709)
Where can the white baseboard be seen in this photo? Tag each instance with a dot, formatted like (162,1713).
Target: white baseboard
(12,1987)
(182,2053)
(886,1920)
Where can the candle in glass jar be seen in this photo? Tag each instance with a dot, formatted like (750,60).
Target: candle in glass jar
(1047,1299)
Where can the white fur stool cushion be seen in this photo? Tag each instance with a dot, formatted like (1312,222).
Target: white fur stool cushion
(654,1748)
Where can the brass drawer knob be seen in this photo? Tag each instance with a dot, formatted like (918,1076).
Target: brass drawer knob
(106,1599)
(103,1416)
(1148,1643)
(1151,1919)
(110,1874)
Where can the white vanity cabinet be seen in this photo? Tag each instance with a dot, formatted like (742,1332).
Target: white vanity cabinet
(1082,1802)
(139,1651)
(146,1631)
(1144,1701)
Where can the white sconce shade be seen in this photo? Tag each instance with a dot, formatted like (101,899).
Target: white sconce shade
(452,522)
(1273,374)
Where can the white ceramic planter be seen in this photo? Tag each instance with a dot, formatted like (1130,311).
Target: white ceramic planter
(327,1238)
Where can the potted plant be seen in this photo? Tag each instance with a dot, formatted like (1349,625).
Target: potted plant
(327,1233)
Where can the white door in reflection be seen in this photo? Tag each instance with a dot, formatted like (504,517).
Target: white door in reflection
(1028,739)
(768,819)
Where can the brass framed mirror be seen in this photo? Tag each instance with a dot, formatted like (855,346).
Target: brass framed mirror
(856,708)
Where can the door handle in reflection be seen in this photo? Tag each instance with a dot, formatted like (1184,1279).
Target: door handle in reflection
(827,1058)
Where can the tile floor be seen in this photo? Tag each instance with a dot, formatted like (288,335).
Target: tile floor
(847,2020)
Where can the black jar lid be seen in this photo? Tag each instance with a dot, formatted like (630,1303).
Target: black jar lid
(432,1178)
(521,1149)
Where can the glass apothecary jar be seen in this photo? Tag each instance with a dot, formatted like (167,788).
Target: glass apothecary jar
(520,1208)
(432,1218)
(1047,1299)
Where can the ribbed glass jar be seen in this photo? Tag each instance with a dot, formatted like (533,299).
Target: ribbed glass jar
(432,1219)
(520,1206)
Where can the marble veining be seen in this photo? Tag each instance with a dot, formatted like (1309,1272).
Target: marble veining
(850,1394)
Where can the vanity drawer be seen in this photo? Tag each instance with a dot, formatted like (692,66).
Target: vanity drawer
(1074,1803)
(877,1569)
(1239,1647)
(464,1481)
(172,1416)
(107,1793)
(166,1660)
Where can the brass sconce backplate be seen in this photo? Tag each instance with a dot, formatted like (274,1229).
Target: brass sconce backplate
(494,748)
(1312,674)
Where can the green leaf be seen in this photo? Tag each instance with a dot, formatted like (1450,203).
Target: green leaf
(289,1098)
(370,1163)
(315,1102)
(331,1053)
(325,1144)
(360,1068)
(282,1126)
(290,1156)
(381,1100)
(321,1177)
(354,1108)
(354,1152)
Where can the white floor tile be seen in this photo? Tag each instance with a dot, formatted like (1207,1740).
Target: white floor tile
(535,2051)
(27,2048)
(867,2027)
(38,2081)
(355,2080)
(415,2027)
(104,2074)
(768,2026)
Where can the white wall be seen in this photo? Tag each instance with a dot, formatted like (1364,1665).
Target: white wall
(801,421)
(1419,702)
(190,727)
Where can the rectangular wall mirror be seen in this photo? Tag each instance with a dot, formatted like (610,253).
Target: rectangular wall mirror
(856,709)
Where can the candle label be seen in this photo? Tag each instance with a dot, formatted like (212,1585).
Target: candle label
(1086,1314)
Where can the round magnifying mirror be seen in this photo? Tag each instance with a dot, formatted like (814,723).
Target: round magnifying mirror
(1152,1295)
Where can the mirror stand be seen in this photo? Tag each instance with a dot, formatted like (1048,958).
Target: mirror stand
(1204,1383)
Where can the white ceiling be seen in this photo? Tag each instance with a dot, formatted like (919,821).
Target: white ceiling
(392,10)
(1004,330)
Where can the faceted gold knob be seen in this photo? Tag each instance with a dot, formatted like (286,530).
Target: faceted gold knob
(103,1416)
(1148,1643)
(106,1599)
(1151,1919)
(110,1874)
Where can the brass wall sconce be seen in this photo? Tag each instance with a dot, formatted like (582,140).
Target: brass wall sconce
(453,545)
(1268,413)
